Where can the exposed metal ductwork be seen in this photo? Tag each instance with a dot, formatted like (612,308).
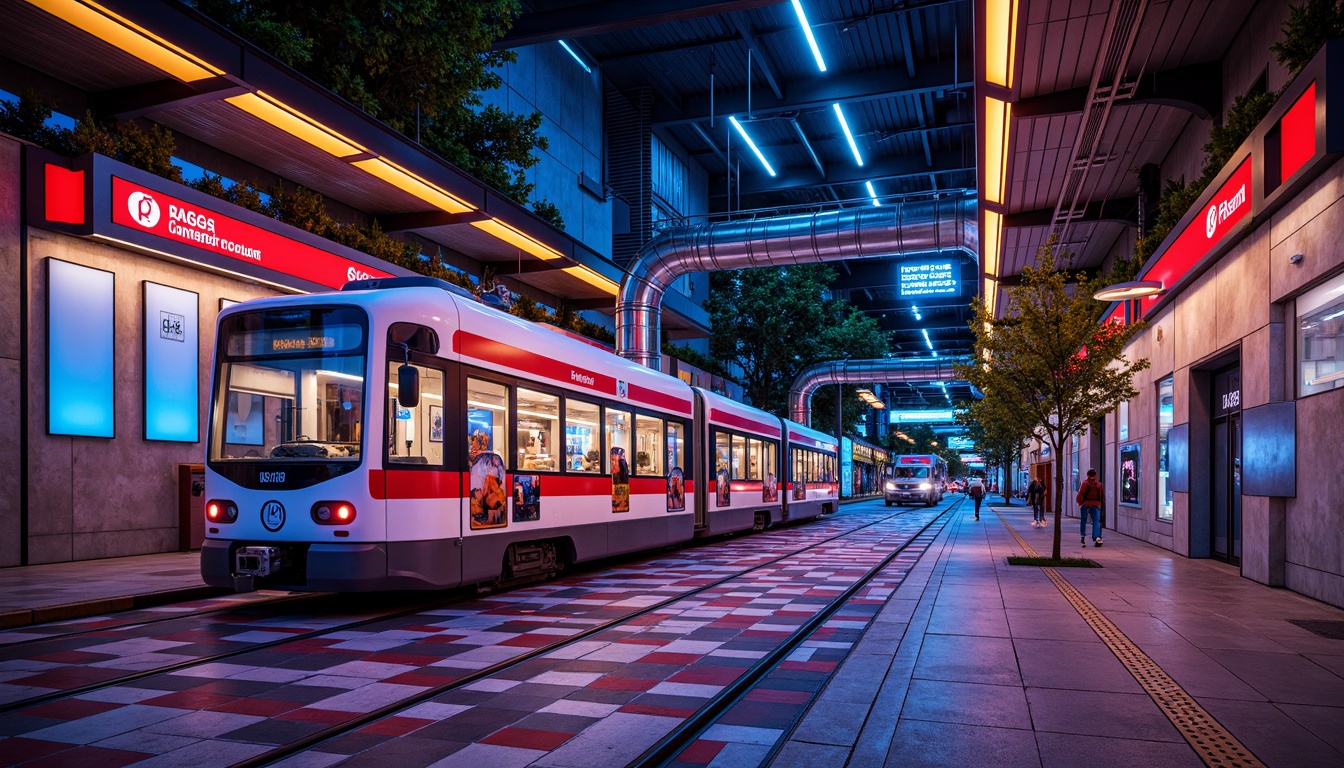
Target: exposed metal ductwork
(901,228)
(880,371)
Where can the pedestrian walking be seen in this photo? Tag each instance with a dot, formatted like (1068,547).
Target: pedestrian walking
(1090,498)
(1036,498)
(977,494)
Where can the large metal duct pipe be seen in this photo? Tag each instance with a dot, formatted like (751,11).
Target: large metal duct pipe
(880,371)
(902,228)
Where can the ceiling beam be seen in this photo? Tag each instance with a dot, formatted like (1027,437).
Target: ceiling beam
(162,95)
(688,45)
(1195,88)
(819,92)
(755,181)
(596,18)
(811,153)
(760,57)
(410,222)
(1122,210)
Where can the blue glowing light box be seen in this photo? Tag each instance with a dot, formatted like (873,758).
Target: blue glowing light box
(81,319)
(917,279)
(172,364)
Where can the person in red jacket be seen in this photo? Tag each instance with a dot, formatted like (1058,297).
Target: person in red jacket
(1090,496)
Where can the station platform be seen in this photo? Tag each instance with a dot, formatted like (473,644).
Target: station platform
(1151,659)
(35,594)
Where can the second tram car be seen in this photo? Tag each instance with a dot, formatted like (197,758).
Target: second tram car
(399,434)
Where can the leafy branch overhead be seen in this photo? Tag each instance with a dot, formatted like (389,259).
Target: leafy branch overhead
(420,68)
(1049,367)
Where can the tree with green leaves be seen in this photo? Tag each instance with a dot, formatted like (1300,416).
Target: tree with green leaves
(998,433)
(419,66)
(1308,26)
(1050,365)
(775,321)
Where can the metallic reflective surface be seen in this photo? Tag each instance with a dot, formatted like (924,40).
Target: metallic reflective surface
(905,228)
(880,371)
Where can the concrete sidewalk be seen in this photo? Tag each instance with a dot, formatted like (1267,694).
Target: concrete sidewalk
(36,593)
(977,663)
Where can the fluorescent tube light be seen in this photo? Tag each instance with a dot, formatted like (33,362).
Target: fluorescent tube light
(751,144)
(571,52)
(926,337)
(871,193)
(807,30)
(844,126)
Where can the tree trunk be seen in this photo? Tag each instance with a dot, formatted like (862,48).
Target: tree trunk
(1059,496)
(1008,484)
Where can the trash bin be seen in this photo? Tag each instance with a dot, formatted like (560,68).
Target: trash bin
(190,506)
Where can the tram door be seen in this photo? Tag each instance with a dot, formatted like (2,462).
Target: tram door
(1225,495)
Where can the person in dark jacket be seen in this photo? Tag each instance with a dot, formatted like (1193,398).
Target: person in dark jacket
(977,494)
(1036,499)
(1090,496)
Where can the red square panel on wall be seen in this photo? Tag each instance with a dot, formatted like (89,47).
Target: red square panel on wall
(64,194)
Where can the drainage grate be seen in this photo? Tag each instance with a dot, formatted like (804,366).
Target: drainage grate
(1333,630)
(1214,744)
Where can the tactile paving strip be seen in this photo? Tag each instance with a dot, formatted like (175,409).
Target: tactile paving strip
(1214,744)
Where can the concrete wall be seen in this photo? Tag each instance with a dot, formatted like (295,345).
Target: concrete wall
(92,497)
(11,351)
(545,79)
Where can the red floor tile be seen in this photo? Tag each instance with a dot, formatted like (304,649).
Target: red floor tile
(809,666)
(530,641)
(74,657)
(707,675)
(21,750)
(416,678)
(622,684)
(89,757)
(680,659)
(645,709)
(701,752)
(71,709)
(527,738)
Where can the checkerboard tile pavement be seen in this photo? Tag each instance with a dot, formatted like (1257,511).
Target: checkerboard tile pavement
(277,695)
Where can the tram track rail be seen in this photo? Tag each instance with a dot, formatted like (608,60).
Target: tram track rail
(345,727)
(129,623)
(682,736)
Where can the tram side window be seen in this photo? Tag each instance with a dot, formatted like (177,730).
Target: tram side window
(415,435)
(538,426)
(798,471)
(676,445)
(739,457)
(768,454)
(722,450)
(487,416)
(648,445)
(583,450)
(618,438)
(753,459)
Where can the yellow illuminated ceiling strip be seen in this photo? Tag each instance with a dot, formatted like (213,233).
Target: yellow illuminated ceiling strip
(998,120)
(992,243)
(1000,41)
(991,295)
(517,239)
(295,123)
(592,278)
(137,41)
(409,182)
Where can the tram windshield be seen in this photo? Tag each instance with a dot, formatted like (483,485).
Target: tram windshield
(290,386)
(910,472)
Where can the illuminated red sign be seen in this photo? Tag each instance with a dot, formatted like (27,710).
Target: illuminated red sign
(147,210)
(915,460)
(1297,134)
(1230,206)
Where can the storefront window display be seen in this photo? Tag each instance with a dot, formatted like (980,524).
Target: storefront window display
(1320,338)
(1165,417)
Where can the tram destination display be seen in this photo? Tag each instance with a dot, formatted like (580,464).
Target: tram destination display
(919,279)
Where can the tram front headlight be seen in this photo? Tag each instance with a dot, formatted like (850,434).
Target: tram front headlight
(925,486)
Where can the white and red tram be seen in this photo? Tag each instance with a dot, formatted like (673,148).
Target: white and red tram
(401,435)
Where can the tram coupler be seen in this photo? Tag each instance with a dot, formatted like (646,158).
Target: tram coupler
(258,561)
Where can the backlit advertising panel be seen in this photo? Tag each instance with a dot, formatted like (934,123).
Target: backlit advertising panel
(920,279)
(172,364)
